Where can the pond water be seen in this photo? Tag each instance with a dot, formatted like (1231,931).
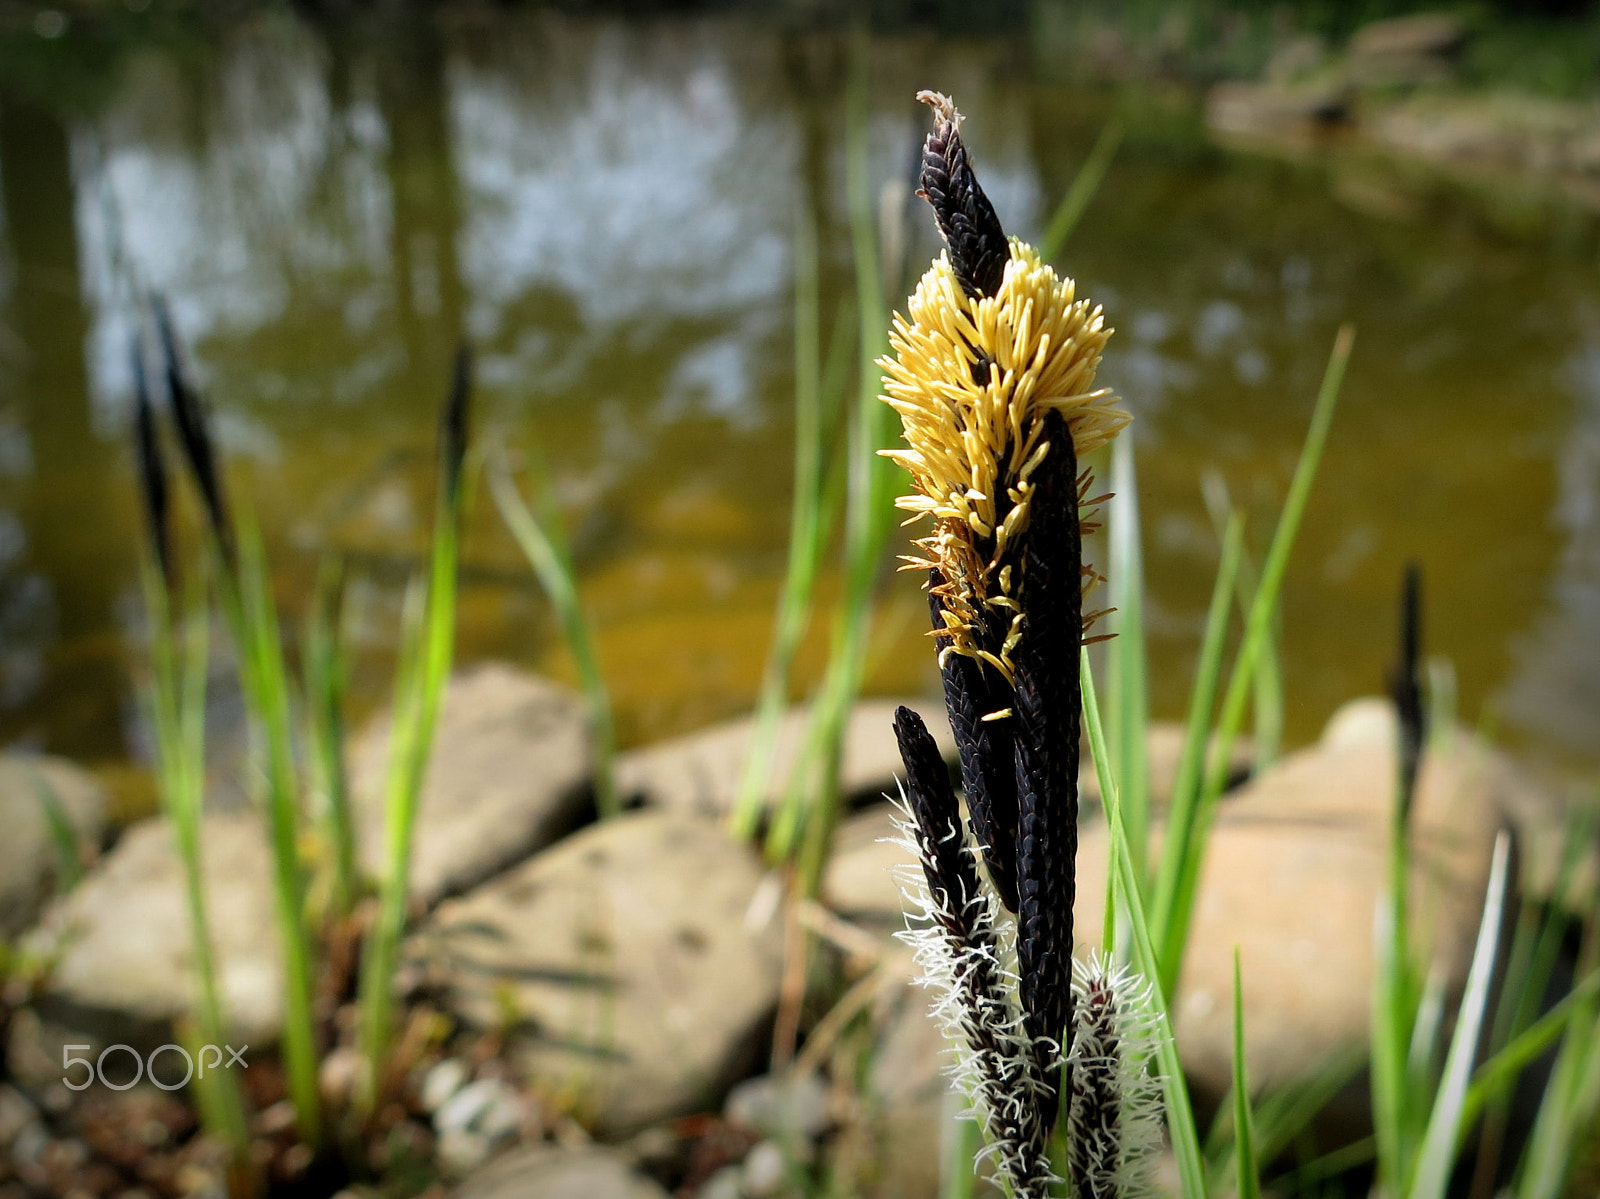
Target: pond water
(605,208)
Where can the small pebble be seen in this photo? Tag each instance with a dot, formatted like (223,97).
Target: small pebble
(780,1106)
(724,1184)
(763,1170)
(441,1082)
(461,1110)
(460,1151)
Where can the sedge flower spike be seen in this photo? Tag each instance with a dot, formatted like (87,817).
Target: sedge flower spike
(993,376)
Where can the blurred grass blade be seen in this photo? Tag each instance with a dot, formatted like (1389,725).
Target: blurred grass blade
(1268,698)
(194,434)
(1184,849)
(1439,1145)
(1084,186)
(246,597)
(544,544)
(804,823)
(429,644)
(1128,704)
(175,698)
(152,469)
(1247,1171)
(326,678)
(808,533)
(264,679)
(63,837)
(1495,1076)
(1181,1128)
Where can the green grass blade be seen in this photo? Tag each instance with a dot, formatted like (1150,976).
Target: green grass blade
(63,837)
(1495,1076)
(1268,698)
(1444,1132)
(264,679)
(804,824)
(544,545)
(420,689)
(1128,703)
(1172,918)
(808,533)
(175,698)
(1181,1127)
(326,676)
(1183,814)
(1247,1170)
(1084,186)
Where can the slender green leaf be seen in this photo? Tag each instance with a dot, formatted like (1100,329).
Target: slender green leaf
(1444,1131)
(1128,704)
(1175,900)
(1247,1170)
(543,544)
(1084,186)
(1183,815)
(808,533)
(326,678)
(1181,1127)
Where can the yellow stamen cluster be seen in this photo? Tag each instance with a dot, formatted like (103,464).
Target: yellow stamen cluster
(972,380)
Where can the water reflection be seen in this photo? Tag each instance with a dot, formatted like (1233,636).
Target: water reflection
(605,207)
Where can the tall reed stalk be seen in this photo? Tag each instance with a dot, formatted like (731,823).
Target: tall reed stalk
(174,697)
(325,678)
(543,542)
(245,594)
(427,646)
(803,825)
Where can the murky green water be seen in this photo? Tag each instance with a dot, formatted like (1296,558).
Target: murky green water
(605,208)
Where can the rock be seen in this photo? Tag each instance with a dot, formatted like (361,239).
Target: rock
(1275,110)
(546,1172)
(764,1168)
(29,852)
(508,775)
(700,773)
(125,945)
(909,1097)
(622,964)
(793,1109)
(859,881)
(1406,51)
(441,1082)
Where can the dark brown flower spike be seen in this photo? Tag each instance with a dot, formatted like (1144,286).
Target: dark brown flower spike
(971,691)
(453,421)
(966,219)
(1047,708)
(1405,688)
(194,435)
(152,468)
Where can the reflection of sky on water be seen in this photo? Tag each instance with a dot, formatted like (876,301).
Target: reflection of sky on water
(611,222)
(223,197)
(1555,691)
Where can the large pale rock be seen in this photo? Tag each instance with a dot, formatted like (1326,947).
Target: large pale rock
(634,964)
(548,1172)
(508,774)
(28,851)
(125,941)
(701,772)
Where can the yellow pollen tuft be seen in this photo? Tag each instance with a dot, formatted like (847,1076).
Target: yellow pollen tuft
(972,379)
